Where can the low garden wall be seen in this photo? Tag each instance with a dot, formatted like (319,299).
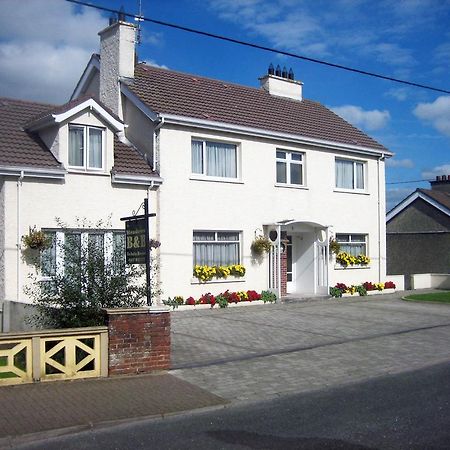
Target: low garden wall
(430,281)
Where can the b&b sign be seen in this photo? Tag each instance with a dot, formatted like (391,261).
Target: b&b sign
(135,241)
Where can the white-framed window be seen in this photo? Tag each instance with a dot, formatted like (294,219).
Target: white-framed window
(111,243)
(217,248)
(354,244)
(350,174)
(214,159)
(86,147)
(290,167)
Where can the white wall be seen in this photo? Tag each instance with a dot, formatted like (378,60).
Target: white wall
(187,204)
(430,280)
(81,196)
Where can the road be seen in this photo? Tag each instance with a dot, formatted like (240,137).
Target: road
(410,410)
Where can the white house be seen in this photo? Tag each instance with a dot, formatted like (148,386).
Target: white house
(226,163)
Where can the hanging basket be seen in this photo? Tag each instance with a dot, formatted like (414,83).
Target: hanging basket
(36,239)
(261,245)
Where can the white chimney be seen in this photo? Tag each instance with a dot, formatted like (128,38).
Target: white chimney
(282,84)
(117,59)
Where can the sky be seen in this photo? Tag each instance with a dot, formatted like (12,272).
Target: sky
(45,45)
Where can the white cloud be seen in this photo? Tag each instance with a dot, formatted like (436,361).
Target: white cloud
(370,120)
(402,163)
(430,174)
(437,113)
(44,47)
(400,94)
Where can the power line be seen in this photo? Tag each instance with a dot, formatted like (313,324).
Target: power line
(407,182)
(262,47)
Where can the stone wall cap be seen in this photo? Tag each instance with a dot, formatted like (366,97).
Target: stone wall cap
(139,310)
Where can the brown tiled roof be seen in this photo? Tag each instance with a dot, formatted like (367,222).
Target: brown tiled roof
(128,161)
(17,147)
(169,92)
(439,196)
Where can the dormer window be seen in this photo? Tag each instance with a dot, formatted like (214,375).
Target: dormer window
(85,147)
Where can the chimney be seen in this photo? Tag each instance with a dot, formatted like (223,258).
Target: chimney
(281,83)
(442,183)
(117,59)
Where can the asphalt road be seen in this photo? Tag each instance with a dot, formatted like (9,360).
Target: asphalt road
(404,411)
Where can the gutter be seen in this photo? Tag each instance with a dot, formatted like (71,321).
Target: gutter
(152,182)
(258,132)
(31,172)
(155,159)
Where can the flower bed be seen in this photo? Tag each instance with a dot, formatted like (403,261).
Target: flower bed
(366,288)
(222,300)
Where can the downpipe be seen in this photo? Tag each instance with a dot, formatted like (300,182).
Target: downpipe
(19,237)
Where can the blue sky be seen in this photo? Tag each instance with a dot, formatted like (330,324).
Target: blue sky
(45,44)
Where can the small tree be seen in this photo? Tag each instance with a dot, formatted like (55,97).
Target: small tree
(85,282)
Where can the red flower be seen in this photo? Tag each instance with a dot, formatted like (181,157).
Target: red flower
(190,301)
(207,299)
(389,285)
(253,295)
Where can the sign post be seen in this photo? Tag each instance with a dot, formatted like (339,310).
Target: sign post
(137,243)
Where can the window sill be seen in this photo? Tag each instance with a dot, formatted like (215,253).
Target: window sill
(291,186)
(350,191)
(339,267)
(88,171)
(216,179)
(219,280)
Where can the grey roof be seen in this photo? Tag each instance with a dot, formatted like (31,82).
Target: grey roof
(169,92)
(441,197)
(20,148)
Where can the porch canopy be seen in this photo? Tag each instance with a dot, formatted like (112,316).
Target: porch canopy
(307,258)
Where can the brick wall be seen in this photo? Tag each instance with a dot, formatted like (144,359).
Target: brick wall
(139,340)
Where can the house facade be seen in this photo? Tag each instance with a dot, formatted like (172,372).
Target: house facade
(421,224)
(61,165)
(221,165)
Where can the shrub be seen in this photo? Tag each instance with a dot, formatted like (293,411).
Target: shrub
(267,296)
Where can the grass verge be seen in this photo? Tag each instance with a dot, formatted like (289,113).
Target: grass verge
(435,297)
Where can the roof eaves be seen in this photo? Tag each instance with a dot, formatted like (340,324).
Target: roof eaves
(32,172)
(259,132)
(91,103)
(153,181)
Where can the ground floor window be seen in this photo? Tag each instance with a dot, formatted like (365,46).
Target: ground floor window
(216,248)
(108,243)
(353,244)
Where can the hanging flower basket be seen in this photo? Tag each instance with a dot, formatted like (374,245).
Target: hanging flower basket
(260,245)
(36,239)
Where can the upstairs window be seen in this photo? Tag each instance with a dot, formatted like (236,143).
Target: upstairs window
(290,167)
(214,159)
(216,248)
(85,147)
(350,174)
(354,244)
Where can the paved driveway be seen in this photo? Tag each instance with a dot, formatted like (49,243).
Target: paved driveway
(256,353)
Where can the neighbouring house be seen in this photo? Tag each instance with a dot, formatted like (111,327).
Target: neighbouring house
(220,163)
(418,231)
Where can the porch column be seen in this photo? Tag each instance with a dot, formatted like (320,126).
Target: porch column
(283,273)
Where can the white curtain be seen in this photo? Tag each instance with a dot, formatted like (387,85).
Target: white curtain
(95,148)
(221,160)
(76,147)
(359,175)
(197,157)
(216,252)
(344,174)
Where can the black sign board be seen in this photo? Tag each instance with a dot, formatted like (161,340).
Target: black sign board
(135,244)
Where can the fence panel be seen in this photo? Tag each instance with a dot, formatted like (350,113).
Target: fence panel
(53,355)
